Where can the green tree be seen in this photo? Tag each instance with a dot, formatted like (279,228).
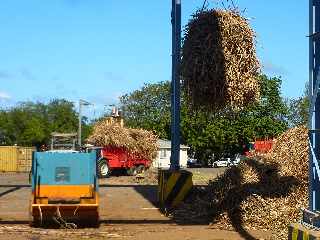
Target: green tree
(149,108)
(31,124)
(21,123)
(269,115)
(62,116)
(87,128)
(209,132)
(5,134)
(299,109)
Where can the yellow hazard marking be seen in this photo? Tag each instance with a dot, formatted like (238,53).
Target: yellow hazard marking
(295,234)
(160,193)
(305,235)
(171,183)
(183,191)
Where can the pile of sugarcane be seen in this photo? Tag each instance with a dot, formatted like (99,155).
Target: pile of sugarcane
(259,194)
(291,150)
(136,141)
(219,62)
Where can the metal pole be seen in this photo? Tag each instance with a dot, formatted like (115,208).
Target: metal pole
(311,117)
(81,103)
(314,118)
(52,141)
(175,85)
(80,123)
(311,56)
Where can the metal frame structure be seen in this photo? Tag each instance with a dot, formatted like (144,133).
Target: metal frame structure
(175,85)
(63,141)
(311,216)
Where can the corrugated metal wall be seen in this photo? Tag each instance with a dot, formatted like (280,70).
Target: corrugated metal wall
(24,160)
(8,158)
(15,158)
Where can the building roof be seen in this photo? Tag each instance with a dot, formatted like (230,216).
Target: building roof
(163,143)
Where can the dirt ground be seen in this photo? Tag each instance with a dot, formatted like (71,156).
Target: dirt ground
(128,210)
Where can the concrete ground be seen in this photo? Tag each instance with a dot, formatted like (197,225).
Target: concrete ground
(128,211)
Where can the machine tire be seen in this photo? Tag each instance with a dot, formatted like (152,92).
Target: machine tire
(103,168)
(215,165)
(132,171)
(141,169)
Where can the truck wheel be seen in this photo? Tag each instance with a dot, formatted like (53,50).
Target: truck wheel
(103,168)
(141,169)
(132,171)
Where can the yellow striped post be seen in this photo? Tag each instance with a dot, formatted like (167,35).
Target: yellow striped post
(174,186)
(300,232)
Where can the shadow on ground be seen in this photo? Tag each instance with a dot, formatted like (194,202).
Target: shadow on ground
(12,189)
(149,192)
(208,197)
(226,193)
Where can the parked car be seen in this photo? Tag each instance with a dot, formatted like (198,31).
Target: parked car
(227,161)
(193,163)
(222,162)
(236,160)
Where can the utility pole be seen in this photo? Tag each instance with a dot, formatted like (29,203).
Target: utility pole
(175,85)
(81,104)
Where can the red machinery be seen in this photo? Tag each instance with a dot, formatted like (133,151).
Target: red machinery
(263,146)
(110,158)
(259,146)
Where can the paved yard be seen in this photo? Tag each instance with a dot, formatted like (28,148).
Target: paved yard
(128,211)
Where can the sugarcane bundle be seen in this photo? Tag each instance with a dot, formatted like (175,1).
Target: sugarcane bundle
(259,194)
(136,141)
(219,63)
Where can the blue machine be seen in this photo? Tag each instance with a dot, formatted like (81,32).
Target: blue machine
(64,188)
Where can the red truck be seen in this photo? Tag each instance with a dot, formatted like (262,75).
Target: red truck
(111,158)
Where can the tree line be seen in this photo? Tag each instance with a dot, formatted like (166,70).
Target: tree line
(31,123)
(207,133)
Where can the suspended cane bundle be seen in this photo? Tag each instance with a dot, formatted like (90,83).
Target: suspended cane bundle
(136,141)
(219,63)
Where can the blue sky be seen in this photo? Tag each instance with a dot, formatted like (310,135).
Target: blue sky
(100,49)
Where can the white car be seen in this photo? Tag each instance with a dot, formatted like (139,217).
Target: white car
(228,161)
(223,162)
(236,160)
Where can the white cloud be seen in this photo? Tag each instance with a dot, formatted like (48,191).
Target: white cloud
(274,69)
(4,95)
